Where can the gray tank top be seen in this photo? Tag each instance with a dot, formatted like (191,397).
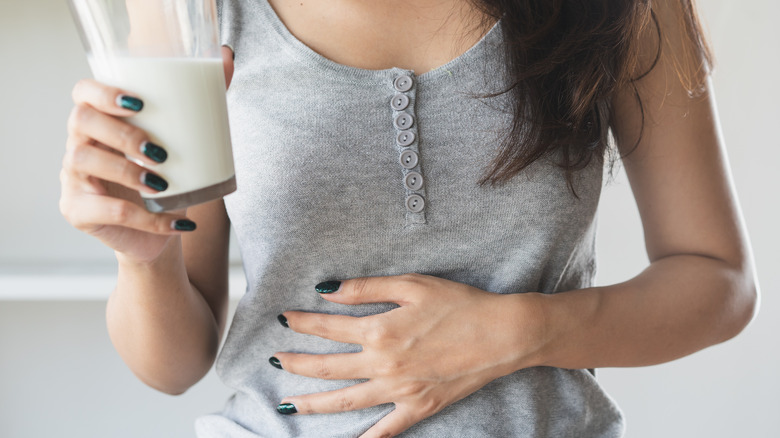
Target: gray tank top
(343,173)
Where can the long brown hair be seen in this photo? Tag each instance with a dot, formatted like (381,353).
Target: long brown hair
(566,59)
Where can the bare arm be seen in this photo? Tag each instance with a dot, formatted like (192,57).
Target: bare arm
(167,315)
(700,288)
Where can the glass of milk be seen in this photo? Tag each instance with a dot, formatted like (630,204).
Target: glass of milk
(168,53)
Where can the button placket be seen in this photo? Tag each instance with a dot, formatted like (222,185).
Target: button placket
(402,102)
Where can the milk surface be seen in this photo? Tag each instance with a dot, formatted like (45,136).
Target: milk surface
(184,111)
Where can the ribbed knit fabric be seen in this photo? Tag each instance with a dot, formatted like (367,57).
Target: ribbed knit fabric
(323,194)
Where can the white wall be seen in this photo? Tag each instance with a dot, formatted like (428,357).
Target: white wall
(59,375)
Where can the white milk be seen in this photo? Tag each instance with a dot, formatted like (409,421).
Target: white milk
(185,113)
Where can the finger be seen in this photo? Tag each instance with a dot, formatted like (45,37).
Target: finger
(86,159)
(394,289)
(342,366)
(227,64)
(86,121)
(393,424)
(90,213)
(107,99)
(339,328)
(360,396)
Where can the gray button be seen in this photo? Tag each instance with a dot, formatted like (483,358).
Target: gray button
(399,102)
(403,83)
(403,121)
(405,138)
(409,159)
(415,203)
(413,181)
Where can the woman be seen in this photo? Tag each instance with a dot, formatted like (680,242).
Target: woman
(418,184)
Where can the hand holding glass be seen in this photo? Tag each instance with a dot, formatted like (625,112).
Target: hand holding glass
(168,53)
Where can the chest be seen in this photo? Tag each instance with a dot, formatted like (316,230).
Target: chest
(375,35)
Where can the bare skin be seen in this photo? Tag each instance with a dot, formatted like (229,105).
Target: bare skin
(168,311)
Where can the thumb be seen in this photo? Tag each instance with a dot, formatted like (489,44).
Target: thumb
(227,64)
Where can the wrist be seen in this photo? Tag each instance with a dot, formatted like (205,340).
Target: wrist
(565,320)
(168,255)
(530,327)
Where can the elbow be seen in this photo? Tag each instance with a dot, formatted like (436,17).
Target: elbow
(170,390)
(168,386)
(743,305)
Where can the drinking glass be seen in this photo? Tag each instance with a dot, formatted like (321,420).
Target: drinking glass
(167,52)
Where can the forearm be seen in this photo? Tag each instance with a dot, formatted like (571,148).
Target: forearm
(160,324)
(675,307)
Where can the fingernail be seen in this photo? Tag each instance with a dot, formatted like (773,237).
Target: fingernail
(327,287)
(156,153)
(131,103)
(286,409)
(154,181)
(283,320)
(183,225)
(275,362)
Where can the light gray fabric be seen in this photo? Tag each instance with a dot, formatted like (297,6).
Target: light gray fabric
(321,196)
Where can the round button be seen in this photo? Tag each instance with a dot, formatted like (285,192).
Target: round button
(409,159)
(403,83)
(415,203)
(403,121)
(413,181)
(399,102)
(405,138)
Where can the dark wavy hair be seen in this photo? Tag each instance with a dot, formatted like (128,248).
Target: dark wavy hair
(566,59)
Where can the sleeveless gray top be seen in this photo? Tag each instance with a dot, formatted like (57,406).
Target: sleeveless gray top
(343,173)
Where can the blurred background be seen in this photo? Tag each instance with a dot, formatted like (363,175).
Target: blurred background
(60,376)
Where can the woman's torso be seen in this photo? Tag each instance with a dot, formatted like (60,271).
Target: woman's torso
(326,190)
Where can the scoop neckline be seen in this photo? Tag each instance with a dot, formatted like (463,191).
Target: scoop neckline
(302,51)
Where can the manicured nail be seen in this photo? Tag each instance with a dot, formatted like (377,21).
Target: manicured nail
(275,362)
(327,287)
(283,320)
(156,153)
(154,181)
(286,409)
(183,225)
(131,103)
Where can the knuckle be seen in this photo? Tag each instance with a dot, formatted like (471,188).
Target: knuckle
(430,406)
(163,224)
(79,115)
(130,136)
(411,279)
(346,404)
(69,213)
(75,156)
(390,368)
(410,389)
(320,328)
(64,206)
(360,286)
(377,334)
(78,89)
(321,370)
(305,408)
(119,212)
(128,171)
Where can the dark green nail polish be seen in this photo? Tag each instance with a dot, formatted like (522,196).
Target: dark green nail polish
(184,225)
(283,320)
(327,287)
(155,182)
(131,103)
(275,362)
(286,409)
(154,152)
